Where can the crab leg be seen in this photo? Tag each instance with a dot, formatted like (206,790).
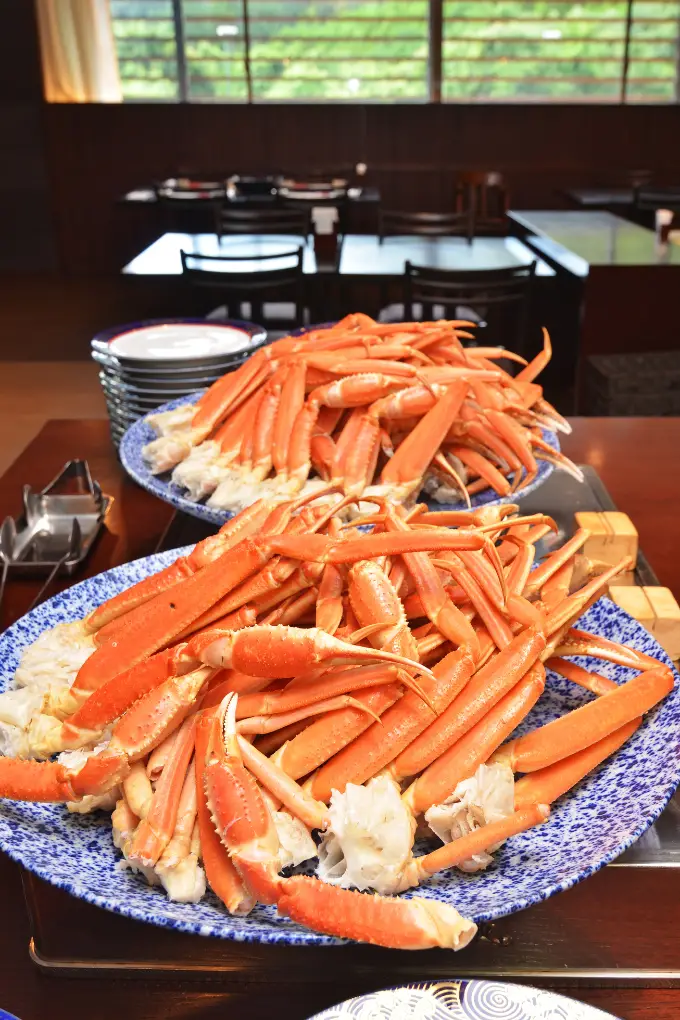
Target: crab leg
(301,694)
(405,470)
(588,724)
(416,923)
(580,642)
(477,841)
(465,756)
(553,563)
(536,366)
(310,811)
(546,785)
(592,682)
(222,875)
(480,694)
(377,746)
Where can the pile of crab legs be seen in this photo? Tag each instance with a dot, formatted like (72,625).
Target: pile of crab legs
(293,645)
(349,405)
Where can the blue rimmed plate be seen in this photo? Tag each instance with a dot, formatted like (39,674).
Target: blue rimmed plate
(141,433)
(462,1000)
(589,827)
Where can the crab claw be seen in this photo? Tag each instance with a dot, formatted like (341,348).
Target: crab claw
(240,816)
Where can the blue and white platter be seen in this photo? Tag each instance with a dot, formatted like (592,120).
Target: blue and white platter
(462,1000)
(589,827)
(141,433)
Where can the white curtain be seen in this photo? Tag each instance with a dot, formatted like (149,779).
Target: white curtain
(78,51)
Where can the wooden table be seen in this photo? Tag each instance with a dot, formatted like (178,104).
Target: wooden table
(634,458)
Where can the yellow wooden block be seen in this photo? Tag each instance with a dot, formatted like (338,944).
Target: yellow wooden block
(613,536)
(635,602)
(666,627)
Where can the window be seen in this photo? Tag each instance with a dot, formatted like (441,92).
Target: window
(399,50)
(560,51)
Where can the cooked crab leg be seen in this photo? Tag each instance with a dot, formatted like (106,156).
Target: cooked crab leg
(547,784)
(592,682)
(480,694)
(222,875)
(588,724)
(398,726)
(464,757)
(580,642)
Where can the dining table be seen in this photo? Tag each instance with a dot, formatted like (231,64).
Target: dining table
(610,941)
(617,283)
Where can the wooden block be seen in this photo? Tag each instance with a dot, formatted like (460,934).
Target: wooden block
(666,628)
(613,536)
(595,547)
(656,609)
(635,602)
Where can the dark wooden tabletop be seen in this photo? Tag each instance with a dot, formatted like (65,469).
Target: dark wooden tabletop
(635,459)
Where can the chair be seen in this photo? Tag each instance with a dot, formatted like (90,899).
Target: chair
(498,298)
(234,287)
(426,224)
(271,220)
(484,195)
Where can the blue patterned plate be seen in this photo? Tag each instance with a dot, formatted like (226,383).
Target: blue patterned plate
(462,1000)
(139,434)
(589,827)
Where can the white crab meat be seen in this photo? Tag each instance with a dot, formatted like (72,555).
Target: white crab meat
(488,796)
(201,472)
(369,838)
(101,802)
(296,845)
(184,882)
(55,657)
(164,453)
(165,423)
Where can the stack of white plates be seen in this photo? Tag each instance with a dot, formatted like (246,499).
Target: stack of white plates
(146,364)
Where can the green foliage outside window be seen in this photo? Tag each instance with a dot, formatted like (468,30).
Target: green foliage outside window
(379,50)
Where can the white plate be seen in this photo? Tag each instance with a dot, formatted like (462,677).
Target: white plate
(177,340)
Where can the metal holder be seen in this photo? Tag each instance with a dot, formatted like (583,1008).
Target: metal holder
(56,530)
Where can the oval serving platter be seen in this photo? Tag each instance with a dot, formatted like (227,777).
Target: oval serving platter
(141,433)
(589,827)
(463,1000)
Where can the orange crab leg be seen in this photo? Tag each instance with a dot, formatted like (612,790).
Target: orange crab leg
(302,693)
(580,642)
(155,831)
(465,756)
(480,694)
(239,813)
(310,811)
(553,563)
(398,726)
(592,682)
(475,842)
(546,785)
(588,724)
(409,463)
(536,366)
(379,920)
(222,875)
(50,781)
(482,467)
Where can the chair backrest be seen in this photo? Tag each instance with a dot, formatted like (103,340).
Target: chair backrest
(486,193)
(426,224)
(259,277)
(271,220)
(652,197)
(499,297)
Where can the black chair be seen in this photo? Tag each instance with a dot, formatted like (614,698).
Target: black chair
(426,224)
(233,287)
(270,220)
(483,194)
(498,299)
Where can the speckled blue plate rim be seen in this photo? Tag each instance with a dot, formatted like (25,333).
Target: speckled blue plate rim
(504,885)
(141,433)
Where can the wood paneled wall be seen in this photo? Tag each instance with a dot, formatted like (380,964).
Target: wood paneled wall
(95,153)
